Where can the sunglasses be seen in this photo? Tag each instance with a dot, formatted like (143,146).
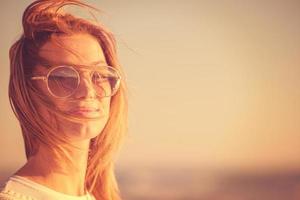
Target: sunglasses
(62,81)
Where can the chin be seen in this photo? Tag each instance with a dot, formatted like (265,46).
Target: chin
(85,131)
(93,129)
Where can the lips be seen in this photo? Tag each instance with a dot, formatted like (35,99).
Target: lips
(85,112)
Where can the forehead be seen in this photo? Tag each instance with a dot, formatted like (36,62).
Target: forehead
(76,49)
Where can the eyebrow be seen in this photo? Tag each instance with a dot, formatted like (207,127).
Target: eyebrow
(98,62)
(49,64)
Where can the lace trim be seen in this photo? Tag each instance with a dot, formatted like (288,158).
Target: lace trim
(6,194)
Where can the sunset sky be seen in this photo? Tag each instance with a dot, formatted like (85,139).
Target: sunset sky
(211,84)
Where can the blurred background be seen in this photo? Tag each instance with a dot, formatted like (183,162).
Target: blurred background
(214,97)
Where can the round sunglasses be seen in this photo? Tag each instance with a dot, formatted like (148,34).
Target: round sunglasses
(62,81)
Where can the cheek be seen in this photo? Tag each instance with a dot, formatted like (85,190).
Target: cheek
(105,102)
(45,105)
(42,101)
(46,118)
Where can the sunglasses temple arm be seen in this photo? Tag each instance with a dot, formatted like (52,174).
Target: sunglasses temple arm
(38,78)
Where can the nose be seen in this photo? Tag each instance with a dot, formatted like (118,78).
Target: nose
(85,89)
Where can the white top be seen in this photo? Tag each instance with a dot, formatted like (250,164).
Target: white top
(20,188)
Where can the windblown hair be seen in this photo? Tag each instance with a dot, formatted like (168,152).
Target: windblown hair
(41,20)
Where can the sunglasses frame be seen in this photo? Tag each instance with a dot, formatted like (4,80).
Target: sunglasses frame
(51,69)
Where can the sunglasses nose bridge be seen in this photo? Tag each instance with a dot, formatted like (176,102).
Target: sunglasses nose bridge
(85,86)
(85,75)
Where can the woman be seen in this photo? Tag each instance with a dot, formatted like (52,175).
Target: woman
(68,92)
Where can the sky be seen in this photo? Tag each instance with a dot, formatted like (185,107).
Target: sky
(211,84)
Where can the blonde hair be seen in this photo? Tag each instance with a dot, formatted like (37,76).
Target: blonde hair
(40,20)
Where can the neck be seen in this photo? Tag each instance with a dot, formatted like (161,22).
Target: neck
(54,171)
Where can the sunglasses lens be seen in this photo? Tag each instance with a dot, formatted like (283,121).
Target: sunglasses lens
(105,82)
(63,81)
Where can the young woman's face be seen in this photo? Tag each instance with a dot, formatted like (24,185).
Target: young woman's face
(84,103)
